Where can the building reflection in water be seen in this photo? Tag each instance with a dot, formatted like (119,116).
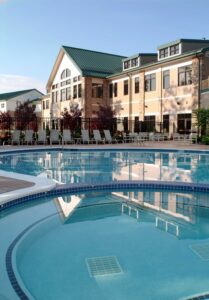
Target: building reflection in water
(99,166)
(181,214)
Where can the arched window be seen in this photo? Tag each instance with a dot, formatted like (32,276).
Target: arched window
(63,74)
(68,73)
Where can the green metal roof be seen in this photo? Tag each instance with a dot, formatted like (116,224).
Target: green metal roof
(184,41)
(93,63)
(189,53)
(7,96)
(138,55)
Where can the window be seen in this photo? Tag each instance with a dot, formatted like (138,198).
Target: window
(150,82)
(63,83)
(68,93)
(68,73)
(134,62)
(79,91)
(56,96)
(75,91)
(63,74)
(63,95)
(47,104)
(174,49)
(75,79)
(163,53)
(166,79)
(79,78)
(125,87)
(68,81)
(97,90)
(110,90)
(185,75)
(43,105)
(53,86)
(126,64)
(2,105)
(53,97)
(136,85)
(115,89)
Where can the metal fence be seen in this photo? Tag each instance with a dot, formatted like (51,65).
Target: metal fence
(115,125)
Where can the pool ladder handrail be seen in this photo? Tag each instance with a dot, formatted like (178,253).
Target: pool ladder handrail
(167,223)
(130,210)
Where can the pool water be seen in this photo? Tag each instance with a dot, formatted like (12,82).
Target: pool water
(107,166)
(136,244)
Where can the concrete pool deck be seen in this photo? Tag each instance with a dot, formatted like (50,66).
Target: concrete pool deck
(13,185)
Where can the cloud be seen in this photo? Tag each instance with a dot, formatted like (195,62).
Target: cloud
(11,83)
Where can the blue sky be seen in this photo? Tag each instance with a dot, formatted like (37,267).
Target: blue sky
(32,31)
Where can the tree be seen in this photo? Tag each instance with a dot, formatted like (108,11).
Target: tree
(202,120)
(25,116)
(5,124)
(105,118)
(71,119)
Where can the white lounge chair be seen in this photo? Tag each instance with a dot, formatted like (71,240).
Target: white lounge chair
(97,137)
(67,137)
(54,136)
(41,137)
(29,136)
(85,136)
(108,138)
(15,138)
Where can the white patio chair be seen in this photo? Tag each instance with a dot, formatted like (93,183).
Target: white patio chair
(97,137)
(67,137)
(54,136)
(41,137)
(29,136)
(85,136)
(108,138)
(15,138)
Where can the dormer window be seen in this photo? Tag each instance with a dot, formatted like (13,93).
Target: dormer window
(169,51)
(126,64)
(131,63)
(174,49)
(163,53)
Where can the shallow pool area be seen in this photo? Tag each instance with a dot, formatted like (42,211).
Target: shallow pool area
(117,225)
(130,244)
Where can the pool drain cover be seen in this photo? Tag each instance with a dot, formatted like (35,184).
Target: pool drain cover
(202,250)
(105,265)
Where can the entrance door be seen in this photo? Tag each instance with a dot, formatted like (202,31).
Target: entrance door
(184,123)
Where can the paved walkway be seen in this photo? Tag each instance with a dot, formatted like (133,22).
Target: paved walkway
(9,184)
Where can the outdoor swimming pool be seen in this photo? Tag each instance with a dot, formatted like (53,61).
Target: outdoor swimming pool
(106,166)
(110,244)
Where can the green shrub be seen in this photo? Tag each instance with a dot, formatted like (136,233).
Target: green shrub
(205,140)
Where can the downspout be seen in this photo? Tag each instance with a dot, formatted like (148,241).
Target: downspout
(161,101)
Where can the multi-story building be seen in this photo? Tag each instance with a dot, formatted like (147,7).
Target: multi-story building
(147,91)
(9,101)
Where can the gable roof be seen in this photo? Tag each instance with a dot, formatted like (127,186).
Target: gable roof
(94,63)
(7,96)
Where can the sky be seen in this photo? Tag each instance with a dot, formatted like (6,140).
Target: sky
(32,32)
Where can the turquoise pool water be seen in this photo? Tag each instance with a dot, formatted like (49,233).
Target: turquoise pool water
(106,166)
(109,245)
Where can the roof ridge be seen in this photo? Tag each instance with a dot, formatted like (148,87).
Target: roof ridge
(95,51)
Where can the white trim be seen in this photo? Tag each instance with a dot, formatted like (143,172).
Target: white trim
(119,80)
(134,76)
(152,114)
(189,111)
(178,65)
(153,71)
(125,103)
(170,97)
